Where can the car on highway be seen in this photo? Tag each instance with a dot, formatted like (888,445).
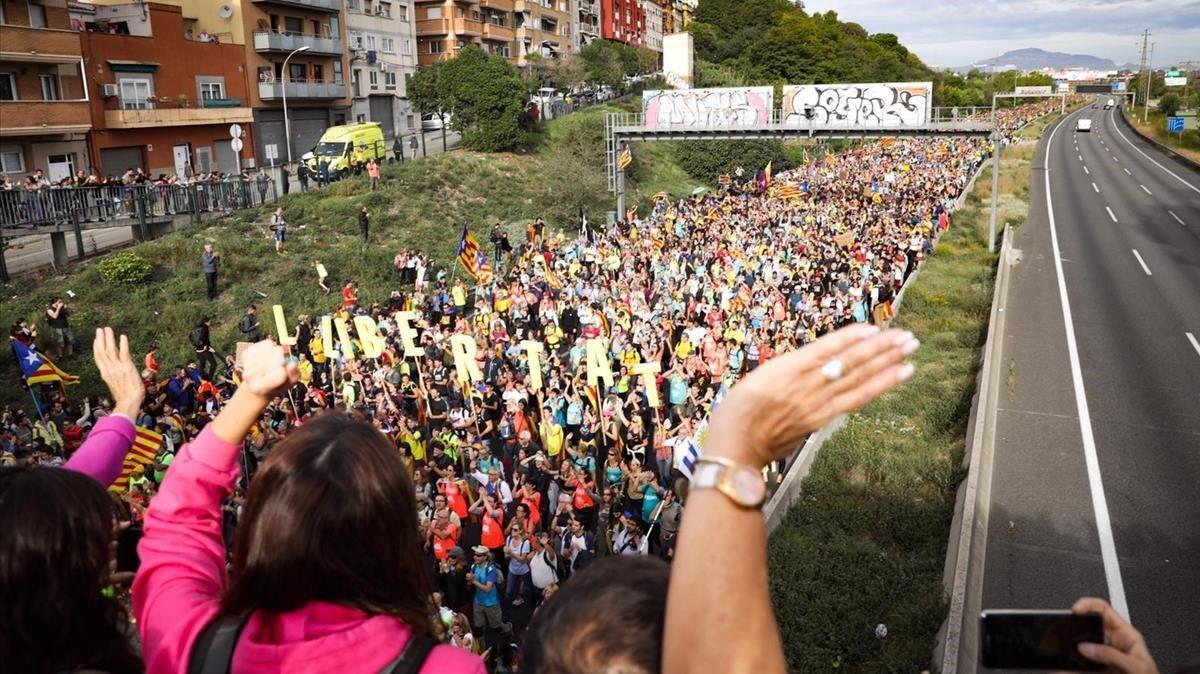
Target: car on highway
(1110,103)
(1083,125)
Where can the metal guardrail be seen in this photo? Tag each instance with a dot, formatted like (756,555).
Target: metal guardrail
(60,205)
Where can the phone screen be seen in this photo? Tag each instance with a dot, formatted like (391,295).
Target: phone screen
(1038,639)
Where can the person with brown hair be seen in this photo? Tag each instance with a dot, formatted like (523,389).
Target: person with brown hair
(327,567)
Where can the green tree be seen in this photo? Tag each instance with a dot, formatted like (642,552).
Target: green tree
(705,159)
(602,63)
(1169,104)
(484,95)
(648,60)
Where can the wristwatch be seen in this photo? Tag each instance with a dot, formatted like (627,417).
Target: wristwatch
(739,483)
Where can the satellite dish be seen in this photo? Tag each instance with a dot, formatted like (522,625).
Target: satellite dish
(225,11)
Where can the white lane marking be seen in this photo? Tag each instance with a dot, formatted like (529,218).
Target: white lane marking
(1192,339)
(1094,186)
(1139,151)
(1110,213)
(1115,158)
(1176,218)
(1142,262)
(1127,172)
(1145,190)
(1108,547)
(1085,170)
(1080,157)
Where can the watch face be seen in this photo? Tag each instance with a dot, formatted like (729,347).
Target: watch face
(749,487)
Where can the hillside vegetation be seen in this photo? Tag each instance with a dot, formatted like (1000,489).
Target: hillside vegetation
(420,205)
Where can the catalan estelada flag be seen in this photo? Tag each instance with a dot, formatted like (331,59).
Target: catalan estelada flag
(788,192)
(36,368)
(593,396)
(468,252)
(625,158)
(146,445)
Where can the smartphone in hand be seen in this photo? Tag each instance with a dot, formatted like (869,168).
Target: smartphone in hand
(1048,640)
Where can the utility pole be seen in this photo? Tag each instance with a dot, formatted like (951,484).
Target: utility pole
(1143,67)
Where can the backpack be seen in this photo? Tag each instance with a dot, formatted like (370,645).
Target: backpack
(197,338)
(213,651)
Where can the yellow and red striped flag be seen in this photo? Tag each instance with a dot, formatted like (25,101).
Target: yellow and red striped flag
(146,445)
(788,192)
(468,252)
(625,158)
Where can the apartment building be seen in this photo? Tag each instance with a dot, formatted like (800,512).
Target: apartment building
(544,28)
(163,98)
(383,57)
(587,22)
(653,11)
(623,21)
(44,115)
(443,27)
(309,36)
(687,14)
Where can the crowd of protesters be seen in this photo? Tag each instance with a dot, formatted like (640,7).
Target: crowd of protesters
(522,478)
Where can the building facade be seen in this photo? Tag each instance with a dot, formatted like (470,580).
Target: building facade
(653,12)
(309,35)
(44,114)
(587,22)
(443,27)
(623,21)
(383,47)
(163,98)
(544,28)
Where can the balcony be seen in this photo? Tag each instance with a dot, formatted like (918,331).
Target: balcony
(502,5)
(433,27)
(500,33)
(285,43)
(35,118)
(334,6)
(468,27)
(273,91)
(23,44)
(212,111)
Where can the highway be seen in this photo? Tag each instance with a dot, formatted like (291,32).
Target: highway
(1096,483)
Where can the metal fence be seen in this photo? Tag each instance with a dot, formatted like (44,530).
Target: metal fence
(59,205)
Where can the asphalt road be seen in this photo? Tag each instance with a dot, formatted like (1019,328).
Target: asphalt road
(1096,489)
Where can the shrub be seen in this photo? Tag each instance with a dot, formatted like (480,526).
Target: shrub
(125,268)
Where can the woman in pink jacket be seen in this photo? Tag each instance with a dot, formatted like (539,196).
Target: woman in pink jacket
(327,573)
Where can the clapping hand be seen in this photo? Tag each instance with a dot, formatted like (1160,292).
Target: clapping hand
(118,372)
(266,371)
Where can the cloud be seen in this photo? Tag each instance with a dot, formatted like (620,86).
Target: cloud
(981,29)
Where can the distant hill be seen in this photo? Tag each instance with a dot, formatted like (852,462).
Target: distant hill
(1032,58)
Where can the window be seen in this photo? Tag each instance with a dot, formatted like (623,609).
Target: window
(406,47)
(356,40)
(435,47)
(387,45)
(402,12)
(360,118)
(11,160)
(384,9)
(337,72)
(433,13)
(60,166)
(37,16)
(211,91)
(135,93)
(8,87)
(2,19)
(374,80)
(297,72)
(356,82)
(389,81)
(371,43)
(292,25)
(318,72)
(354,5)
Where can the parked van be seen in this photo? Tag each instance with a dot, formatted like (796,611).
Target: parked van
(346,145)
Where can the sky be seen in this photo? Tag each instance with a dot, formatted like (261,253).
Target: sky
(962,32)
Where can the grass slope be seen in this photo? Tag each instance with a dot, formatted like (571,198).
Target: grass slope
(1186,144)
(421,204)
(866,543)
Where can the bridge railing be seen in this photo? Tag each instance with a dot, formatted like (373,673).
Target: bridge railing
(940,116)
(27,209)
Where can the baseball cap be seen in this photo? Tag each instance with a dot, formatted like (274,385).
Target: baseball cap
(456,552)
(480,550)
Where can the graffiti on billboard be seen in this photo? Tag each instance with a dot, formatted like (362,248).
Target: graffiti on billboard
(903,104)
(707,108)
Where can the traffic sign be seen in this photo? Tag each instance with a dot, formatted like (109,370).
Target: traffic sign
(235,130)
(236,144)
(1174,125)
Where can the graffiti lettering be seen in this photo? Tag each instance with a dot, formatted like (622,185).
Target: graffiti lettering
(857,105)
(707,108)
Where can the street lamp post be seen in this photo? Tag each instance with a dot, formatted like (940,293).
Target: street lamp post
(287,128)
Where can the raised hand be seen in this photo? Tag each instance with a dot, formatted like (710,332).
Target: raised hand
(119,372)
(266,371)
(769,413)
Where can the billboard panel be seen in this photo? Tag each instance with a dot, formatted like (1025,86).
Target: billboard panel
(1175,81)
(866,106)
(1034,91)
(707,108)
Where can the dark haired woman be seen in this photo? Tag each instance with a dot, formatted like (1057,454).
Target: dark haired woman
(55,543)
(327,575)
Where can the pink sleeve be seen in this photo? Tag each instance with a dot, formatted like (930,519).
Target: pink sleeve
(103,453)
(178,588)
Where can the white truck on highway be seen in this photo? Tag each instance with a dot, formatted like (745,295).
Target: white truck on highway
(1110,103)
(1083,125)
